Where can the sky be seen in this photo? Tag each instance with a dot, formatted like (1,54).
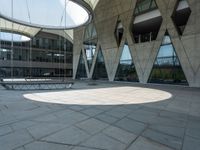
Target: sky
(45,12)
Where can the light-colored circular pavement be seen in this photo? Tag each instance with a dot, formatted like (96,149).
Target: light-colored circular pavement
(102,96)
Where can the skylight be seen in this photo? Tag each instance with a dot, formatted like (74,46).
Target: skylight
(56,14)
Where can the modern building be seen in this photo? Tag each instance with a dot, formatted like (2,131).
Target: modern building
(36,37)
(146,41)
(44,55)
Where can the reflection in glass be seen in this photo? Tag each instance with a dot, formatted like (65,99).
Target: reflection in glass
(167,68)
(126,70)
(143,6)
(100,68)
(147,21)
(45,59)
(81,71)
(181,15)
(90,43)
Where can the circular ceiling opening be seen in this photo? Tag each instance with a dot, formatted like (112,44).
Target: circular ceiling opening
(54,14)
(15,37)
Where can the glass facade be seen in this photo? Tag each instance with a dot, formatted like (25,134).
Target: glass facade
(180,16)
(49,49)
(81,71)
(126,70)
(167,68)
(23,72)
(144,6)
(90,43)
(146,30)
(100,68)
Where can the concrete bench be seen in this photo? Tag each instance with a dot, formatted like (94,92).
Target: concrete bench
(37,85)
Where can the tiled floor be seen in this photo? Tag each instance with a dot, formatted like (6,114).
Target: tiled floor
(101,117)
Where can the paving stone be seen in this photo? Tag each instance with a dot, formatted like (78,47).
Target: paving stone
(162,138)
(131,125)
(43,129)
(45,118)
(194,124)
(92,125)
(70,135)
(5,130)
(22,124)
(83,148)
(174,131)
(46,146)
(102,141)
(76,108)
(193,132)
(145,118)
(168,122)
(119,112)
(20,148)
(174,115)
(71,118)
(191,143)
(119,134)
(106,118)
(145,144)
(92,111)
(14,140)
(145,109)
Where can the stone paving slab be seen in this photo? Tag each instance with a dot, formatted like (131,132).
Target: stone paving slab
(70,136)
(119,134)
(144,144)
(106,116)
(191,143)
(15,139)
(46,146)
(92,126)
(131,125)
(102,141)
(164,139)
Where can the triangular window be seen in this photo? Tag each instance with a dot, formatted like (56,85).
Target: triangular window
(167,68)
(90,43)
(126,69)
(81,71)
(100,68)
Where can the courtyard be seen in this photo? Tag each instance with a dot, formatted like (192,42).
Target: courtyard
(101,116)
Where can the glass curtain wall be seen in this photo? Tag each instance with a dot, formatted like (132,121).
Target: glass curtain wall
(100,68)
(27,56)
(143,6)
(126,69)
(81,71)
(181,15)
(146,28)
(90,43)
(167,68)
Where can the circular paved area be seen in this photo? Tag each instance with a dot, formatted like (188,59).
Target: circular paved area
(102,96)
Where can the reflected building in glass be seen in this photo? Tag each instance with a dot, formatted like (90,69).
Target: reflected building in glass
(126,69)
(45,55)
(167,68)
(90,43)
(100,72)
